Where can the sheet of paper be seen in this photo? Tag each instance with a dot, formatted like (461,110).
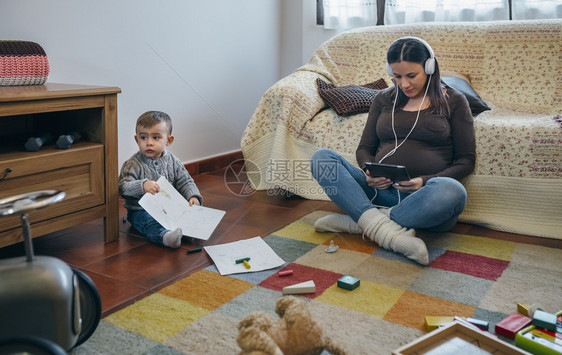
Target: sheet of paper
(172,210)
(262,257)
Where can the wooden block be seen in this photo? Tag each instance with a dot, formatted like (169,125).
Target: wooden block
(480,323)
(523,309)
(527,310)
(513,323)
(348,282)
(303,287)
(545,320)
(434,322)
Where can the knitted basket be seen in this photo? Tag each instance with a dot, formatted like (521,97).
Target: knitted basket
(22,63)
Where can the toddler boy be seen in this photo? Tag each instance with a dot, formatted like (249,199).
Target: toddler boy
(139,174)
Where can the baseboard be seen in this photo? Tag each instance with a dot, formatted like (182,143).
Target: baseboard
(213,163)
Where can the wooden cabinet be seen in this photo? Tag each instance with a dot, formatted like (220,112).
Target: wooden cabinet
(87,171)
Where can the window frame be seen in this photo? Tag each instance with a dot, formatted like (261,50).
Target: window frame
(380,12)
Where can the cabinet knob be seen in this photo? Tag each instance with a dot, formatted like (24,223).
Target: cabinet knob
(6,172)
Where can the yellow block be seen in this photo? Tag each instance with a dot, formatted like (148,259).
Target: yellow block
(434,322)
(523,309)
(527,310)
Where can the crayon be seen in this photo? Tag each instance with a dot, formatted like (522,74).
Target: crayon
(246,264)
(191,251)
(240,261)
(285,273)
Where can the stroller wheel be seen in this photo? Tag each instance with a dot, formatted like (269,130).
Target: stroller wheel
(31,345)
(90,306)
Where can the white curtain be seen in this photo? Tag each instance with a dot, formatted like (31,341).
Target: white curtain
(409,11)
(345,14)
(536,9)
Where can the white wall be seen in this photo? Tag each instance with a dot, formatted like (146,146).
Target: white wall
(206,63)
(300,35)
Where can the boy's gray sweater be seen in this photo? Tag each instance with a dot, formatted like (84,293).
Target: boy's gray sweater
(140,168)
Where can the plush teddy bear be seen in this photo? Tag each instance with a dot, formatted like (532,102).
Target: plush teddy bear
(294,334)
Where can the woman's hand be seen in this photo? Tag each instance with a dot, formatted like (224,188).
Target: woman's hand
(410,185)
(380,183)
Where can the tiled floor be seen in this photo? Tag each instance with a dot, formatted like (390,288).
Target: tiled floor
(131,268)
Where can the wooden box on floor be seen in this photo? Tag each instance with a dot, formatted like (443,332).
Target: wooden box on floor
(457,338)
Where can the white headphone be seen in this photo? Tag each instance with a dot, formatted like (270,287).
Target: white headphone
(429,67)
(429,63)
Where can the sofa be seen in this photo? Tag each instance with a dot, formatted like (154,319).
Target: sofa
(514,67)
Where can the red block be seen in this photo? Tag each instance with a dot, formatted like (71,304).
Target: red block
(513,323)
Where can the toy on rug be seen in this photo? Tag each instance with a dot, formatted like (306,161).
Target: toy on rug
(294,334)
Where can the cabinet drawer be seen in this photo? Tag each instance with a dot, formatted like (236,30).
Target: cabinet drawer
(78,171)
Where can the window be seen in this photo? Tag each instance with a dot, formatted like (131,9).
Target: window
(408,11)
(342,14)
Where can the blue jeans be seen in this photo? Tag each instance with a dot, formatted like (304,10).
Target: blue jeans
(436,206)
(147,225)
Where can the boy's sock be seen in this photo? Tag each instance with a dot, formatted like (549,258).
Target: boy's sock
(172,239)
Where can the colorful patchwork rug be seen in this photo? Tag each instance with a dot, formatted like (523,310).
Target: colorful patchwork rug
(467,276)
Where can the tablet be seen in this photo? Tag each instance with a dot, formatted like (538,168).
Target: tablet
(395,173)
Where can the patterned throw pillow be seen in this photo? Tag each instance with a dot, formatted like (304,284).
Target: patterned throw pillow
(350,99)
